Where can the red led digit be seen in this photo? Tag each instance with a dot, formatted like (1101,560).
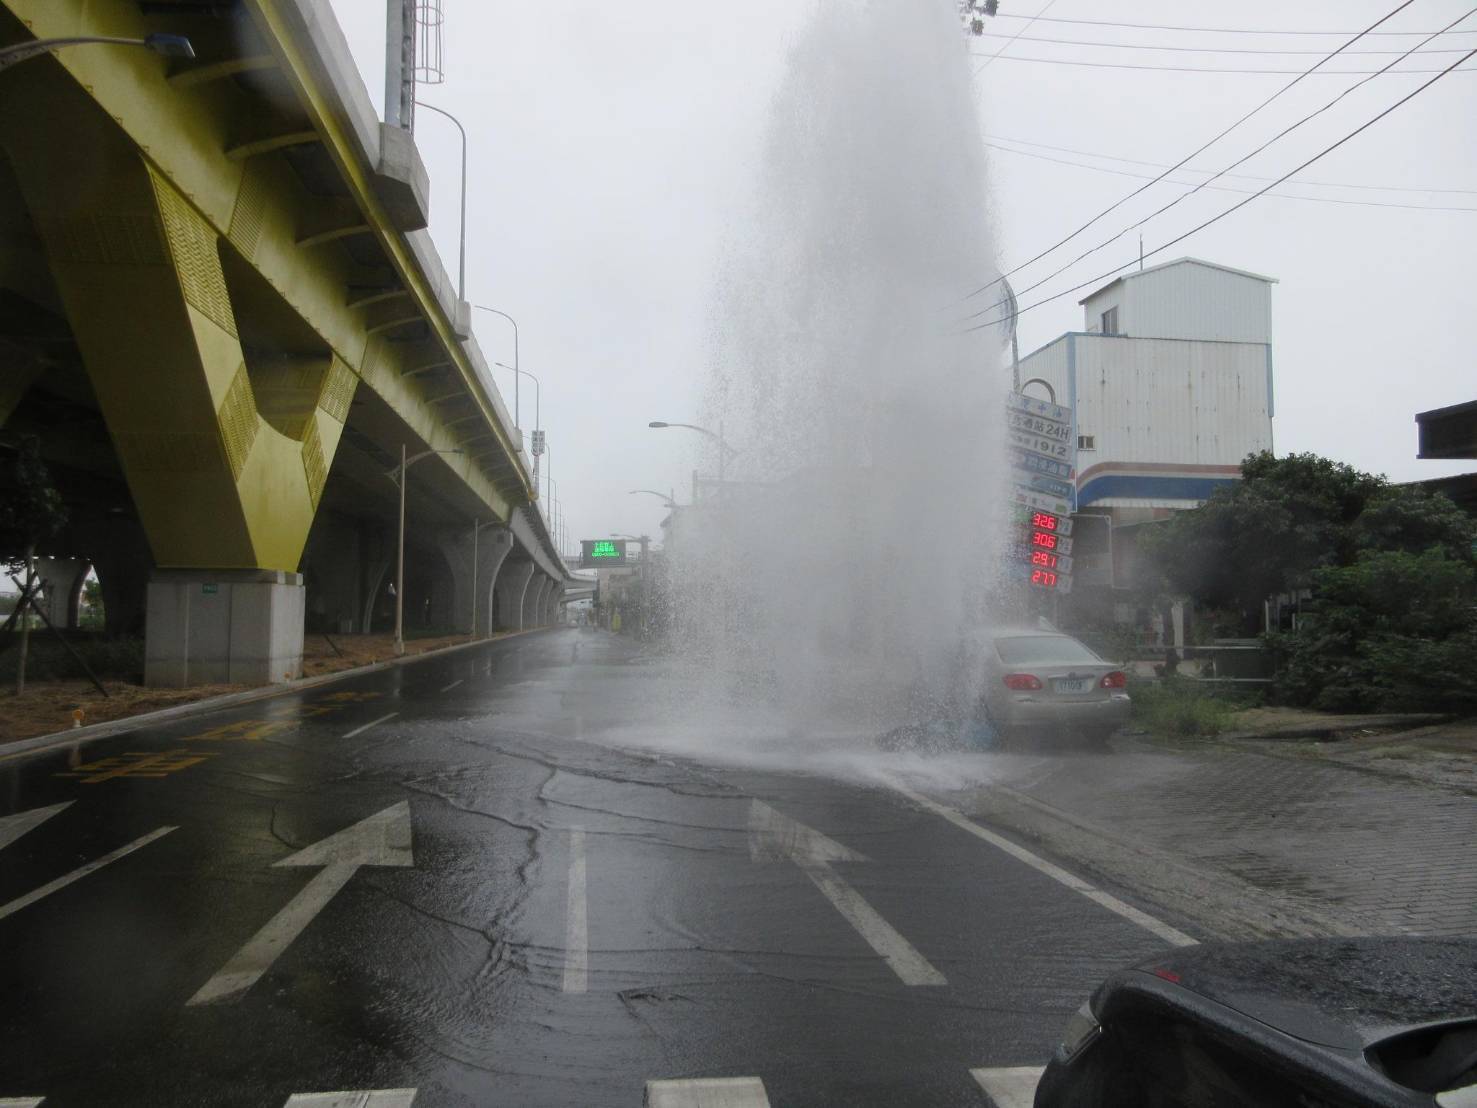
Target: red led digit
(1043,538)
(1044,521)
(1044,577)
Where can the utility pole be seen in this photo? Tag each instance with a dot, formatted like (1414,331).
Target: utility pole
(400,63)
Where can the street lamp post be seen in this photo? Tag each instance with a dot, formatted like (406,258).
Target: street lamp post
(398,476)
(517,422)
(166,46)
(538,423)
(723,448)
(461,264)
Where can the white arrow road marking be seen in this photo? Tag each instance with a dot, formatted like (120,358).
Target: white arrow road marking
(1158,927)
(707,1092)
(383,839)
(21,1101)
(576,923)
(371,723)
(77,874)
(773,836)
(13,827)
(369,1098)
(1010,1086)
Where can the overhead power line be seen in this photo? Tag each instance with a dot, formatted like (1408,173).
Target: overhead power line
(1202,49)
(985,64)
(1228,188)
(1215,30)
(1209,69)
(991,139)
(1239,204)
(1192,154)
(1239,161)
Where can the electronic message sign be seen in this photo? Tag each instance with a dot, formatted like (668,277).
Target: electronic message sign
(602,553)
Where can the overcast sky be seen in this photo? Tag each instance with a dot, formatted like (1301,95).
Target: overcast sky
(612,147)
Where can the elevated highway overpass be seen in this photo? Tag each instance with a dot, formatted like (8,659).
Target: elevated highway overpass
(223,319)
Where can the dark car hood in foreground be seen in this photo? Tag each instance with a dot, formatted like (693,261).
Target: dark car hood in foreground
(1342,993)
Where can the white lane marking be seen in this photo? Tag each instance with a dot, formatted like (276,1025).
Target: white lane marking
(773,836)
(454,684)
(77,874)
(1169,934)
(368,1098)
(371,723)
(384,839)
(20,1101)
(13,827)
(1010,1086)
(576,924)
(707,1092)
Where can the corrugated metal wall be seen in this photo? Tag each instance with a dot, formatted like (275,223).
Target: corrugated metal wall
(1171,401)
(1187,300)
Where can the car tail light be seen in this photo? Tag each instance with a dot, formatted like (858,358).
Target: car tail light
(1115,680)
(1022,682)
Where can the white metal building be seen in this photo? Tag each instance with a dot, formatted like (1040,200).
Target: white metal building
(1170,383)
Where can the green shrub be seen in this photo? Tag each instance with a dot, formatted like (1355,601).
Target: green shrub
(1178,707)
(120,659)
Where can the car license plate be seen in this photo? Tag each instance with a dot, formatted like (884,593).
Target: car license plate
(1071,686)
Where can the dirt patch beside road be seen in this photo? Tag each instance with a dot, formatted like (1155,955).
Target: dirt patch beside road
(47,706)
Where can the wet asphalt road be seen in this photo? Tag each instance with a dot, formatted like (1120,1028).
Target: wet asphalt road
(531,916)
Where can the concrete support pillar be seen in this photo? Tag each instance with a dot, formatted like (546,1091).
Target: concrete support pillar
(533,595)
(61,588)
(492,547)
(512,582)
(242,627)
(551,603)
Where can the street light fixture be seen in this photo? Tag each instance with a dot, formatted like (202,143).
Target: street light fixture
(517,421)
(461,264)
(398,476)
(671,502)
(723,448)
(165,45)
(537,403)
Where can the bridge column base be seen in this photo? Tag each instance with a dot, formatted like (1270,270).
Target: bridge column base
(239,627)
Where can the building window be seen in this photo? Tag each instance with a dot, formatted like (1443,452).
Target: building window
(1110,321)
(1086,442)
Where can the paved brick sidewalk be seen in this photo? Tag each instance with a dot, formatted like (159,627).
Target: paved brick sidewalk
(1382,854)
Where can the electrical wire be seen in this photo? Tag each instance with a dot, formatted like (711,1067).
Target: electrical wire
(1227,188)
(1213,30)
(1239,176)
(1044,9)
(1193,154)
(1198,49)
(1208,69)
(1234,207)
(1239,161)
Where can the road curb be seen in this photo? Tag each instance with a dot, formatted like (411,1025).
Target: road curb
(39,744)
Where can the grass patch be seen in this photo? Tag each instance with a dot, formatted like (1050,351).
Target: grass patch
(1181,708)
(120,659)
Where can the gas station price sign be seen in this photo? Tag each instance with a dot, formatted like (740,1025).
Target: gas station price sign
(1042,450)
(602,553)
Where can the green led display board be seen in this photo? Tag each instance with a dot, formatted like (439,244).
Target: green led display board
(602,553)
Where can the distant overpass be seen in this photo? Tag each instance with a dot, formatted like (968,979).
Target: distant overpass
(222,316)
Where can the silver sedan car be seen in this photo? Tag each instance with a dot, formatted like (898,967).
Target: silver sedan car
(1050,684)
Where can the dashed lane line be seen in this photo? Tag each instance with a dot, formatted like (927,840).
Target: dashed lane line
(1010,1086)
(20,1101)
(372,723)
(77,874)
(576,924)
(368,1098)
(1169,934)
(707,1092)
(454,684)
